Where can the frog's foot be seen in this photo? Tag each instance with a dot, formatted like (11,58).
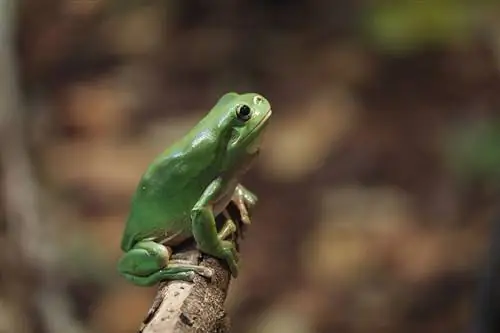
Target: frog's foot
(230,254)
(181,265)
(227,252)
(228,229)
(244,201)
(148,263)
(197,269)
(161,275)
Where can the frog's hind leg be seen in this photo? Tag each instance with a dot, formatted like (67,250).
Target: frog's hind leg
(147,263)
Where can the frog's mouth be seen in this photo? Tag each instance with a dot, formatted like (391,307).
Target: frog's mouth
(262,121)
(242,140)
(254,145)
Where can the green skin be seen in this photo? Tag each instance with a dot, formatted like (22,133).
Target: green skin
(189,184)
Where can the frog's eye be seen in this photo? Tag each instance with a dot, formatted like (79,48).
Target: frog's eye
(243,112)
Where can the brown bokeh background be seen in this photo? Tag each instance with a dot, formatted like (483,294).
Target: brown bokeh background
(377,180)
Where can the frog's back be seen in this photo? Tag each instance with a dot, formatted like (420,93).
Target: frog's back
(165,195)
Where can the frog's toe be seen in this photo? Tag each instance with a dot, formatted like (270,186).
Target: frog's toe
(189,276)
(245,218)
(206,272)
(231,257)
(233,268)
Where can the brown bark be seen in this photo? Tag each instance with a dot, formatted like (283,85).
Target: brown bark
(193,307)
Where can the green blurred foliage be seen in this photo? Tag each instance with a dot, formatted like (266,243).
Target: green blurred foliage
(407,25)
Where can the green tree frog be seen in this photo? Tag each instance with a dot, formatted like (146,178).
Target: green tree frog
(189,184)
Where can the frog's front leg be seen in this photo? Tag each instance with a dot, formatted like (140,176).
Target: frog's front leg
(245,201)
(205,230)
(147,263)
(228,228)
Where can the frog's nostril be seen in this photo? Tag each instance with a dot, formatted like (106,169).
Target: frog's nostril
(258,99)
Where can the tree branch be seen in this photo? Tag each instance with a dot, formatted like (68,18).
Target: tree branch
(182,307)
(185,307)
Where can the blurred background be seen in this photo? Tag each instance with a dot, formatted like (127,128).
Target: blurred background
(378,180)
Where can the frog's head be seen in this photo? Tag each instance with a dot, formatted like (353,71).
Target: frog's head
(249,114)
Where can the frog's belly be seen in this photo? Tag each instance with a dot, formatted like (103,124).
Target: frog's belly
(222,203)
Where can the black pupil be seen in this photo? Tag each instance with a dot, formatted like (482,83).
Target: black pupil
(244,110)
